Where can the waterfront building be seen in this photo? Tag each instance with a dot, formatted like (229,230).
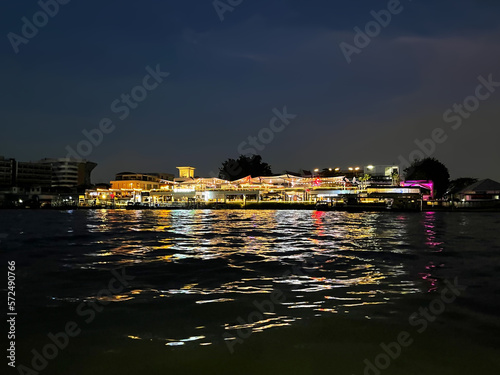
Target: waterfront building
(44,181)
(7,167)
(130,187)
(68,172)
(426,186)
(130,180)
(24,175)
(30,175)
(151,189)
(483,193)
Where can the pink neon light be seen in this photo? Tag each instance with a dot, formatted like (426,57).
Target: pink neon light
(429,185)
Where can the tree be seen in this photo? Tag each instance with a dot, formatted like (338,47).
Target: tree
(243,166)
(430,169)
(364,180)
(396,178)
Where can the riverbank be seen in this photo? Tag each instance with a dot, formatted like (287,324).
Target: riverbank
(261,206)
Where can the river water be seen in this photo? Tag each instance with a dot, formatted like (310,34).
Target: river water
(254,292)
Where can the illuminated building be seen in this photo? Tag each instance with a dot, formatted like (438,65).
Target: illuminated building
(185,173)
(150,189)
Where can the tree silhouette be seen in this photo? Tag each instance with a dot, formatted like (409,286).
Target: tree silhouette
(243,166)
(430,169)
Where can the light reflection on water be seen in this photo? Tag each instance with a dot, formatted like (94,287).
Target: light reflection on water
(200,273)
(318,260)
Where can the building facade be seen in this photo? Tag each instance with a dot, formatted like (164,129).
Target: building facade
(22,174)
(134,188)
(7,167)
(185,173)
(67,172)
(29,174)
(44,181)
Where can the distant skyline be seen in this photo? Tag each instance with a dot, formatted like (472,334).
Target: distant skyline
(429,77)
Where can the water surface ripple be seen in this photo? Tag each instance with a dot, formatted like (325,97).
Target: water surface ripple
(199,275)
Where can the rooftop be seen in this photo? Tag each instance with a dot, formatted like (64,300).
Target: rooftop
(482,186)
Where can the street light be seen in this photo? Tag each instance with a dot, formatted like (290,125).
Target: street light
(337,169)
(351,169)
(316,170)
(357,169)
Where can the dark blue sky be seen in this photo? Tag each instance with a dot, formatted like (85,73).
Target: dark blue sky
(226,77)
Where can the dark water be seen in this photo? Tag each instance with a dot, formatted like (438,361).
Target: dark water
(254,292)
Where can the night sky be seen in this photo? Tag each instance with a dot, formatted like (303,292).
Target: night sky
(228,78)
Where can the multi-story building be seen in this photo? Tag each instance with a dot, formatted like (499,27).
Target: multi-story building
(161,175)
(29,174)
(130,181)
(67,172)
(24,174)
(45,173)
(7,167)
(130,187)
